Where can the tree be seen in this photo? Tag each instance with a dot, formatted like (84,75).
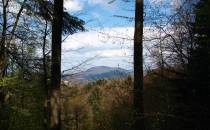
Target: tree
(199,65)
(55,100)
(3,39)
(138,67)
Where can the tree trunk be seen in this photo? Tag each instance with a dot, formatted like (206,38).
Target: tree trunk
(46,88)
(3,40)
(44,58)
(138,68)
(56,66)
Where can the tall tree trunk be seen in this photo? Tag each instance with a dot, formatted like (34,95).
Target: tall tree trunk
(46,88)
(138,68)
(56,66)
(44,57)
(3,40)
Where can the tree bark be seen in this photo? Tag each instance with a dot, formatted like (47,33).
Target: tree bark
(3,39)
(56,66)
(44,57)
(138,68)
(46,88)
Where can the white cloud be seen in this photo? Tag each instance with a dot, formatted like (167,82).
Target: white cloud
(96,15)
(115,53)
(112,46)
(156,1)
(102,2)
(107,37)
(73,5)
(14,7)
(78,5)
(176,3)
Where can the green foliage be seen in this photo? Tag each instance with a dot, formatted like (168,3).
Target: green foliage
(44,9)
(23,106)
(8,81)
(72,24)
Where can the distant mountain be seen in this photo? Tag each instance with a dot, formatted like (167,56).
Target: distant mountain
(98,72)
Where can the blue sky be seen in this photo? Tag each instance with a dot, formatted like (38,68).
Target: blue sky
(100,13)
(108,38)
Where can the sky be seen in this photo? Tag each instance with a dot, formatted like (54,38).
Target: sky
(108,40)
